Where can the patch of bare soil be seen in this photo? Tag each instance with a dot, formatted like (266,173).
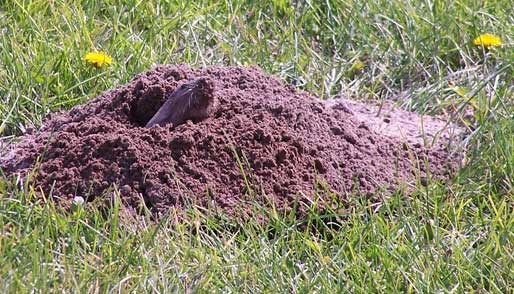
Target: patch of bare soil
(259,137)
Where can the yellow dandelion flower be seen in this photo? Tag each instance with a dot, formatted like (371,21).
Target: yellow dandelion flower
(487,40)
(98,59)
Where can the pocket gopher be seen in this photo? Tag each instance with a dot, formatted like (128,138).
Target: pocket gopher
(193,100)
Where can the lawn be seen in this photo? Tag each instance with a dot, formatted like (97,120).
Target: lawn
(442,237)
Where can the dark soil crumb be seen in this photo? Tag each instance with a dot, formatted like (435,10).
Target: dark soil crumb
(264,140)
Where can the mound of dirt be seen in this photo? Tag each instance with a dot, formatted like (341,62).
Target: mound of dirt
(262,138)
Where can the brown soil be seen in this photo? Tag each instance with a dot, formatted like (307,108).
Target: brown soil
(263,138)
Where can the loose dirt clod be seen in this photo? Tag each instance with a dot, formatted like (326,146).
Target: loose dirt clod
(262,138)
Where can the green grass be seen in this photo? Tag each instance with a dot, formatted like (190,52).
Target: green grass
(457,237)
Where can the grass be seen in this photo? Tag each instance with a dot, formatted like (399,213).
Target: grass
(457,237)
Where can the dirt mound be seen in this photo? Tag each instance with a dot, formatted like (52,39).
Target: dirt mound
(263,138)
